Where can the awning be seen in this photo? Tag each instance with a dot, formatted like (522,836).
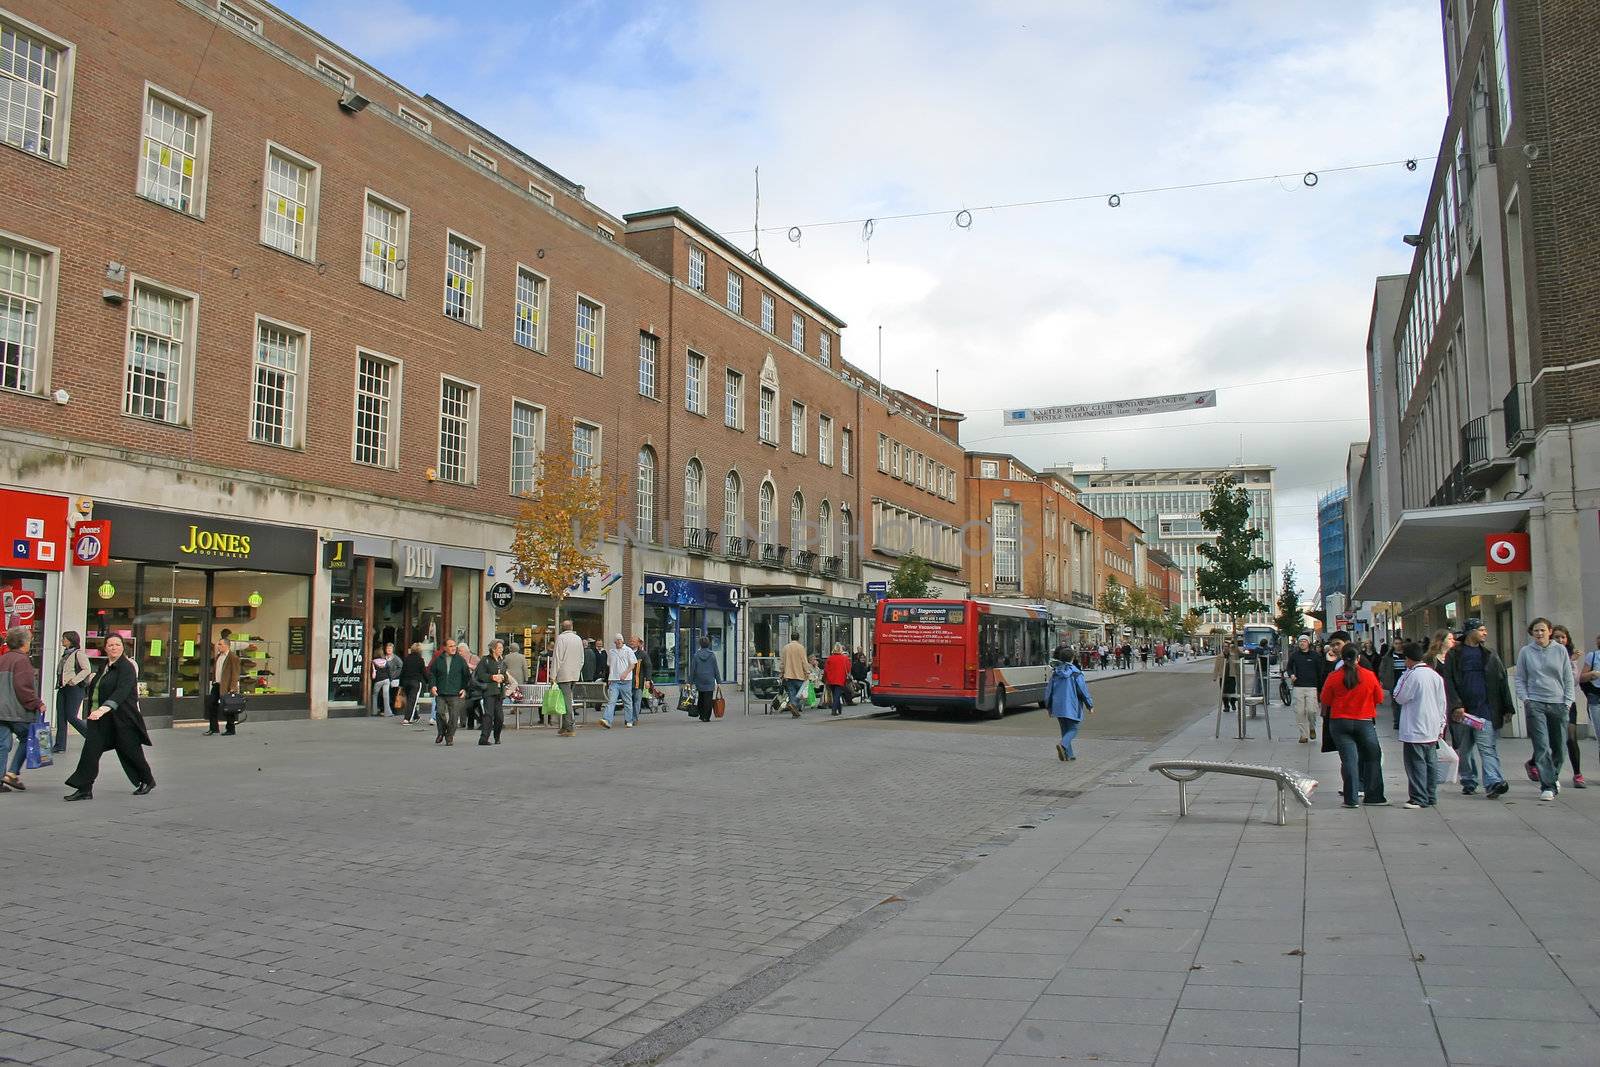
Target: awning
(1425,554)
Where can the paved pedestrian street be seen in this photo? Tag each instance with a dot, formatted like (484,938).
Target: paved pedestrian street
(348,892)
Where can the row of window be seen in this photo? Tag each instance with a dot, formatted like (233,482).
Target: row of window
(804,535)
(734,302)
(898,531)
(916,468)
(696,393)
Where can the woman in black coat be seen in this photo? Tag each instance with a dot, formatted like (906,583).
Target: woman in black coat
(114,722)
(414,678)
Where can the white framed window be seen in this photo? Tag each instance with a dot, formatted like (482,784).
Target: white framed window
(825,440)
(532,290)
(989,468)
(161,333)
(799,538)
(649,347)
(733,399)
(35,88)
(797,330)
(844,539)
(694,384)
(458,431)
(883,453)
(238,16)
(846,441)
(527,441)
(735,293)
(766,514)
(463,280)
(585,449)
(589,339)
(824,529)
(894,459)
(172,165)
(797,428)
(419,121)
(487,162)
(27,312)
(769,416)
(385,232)
(825,347)
(697,268)
(732,507)
(277,401)
(644,497)
(377,414)
(694,496)
(289,203)
(338,74)
(769,313)
(922,471)
(541,193)
(1502,68)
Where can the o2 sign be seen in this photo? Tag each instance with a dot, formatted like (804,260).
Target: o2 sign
(1507,552)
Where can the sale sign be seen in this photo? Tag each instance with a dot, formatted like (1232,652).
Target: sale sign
(1507,552)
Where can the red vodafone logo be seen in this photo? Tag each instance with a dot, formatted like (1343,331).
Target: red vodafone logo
(1507,552)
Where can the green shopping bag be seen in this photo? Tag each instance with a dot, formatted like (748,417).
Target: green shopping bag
(811,694)
(555,704)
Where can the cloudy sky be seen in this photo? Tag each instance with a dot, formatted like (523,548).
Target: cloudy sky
(856,110)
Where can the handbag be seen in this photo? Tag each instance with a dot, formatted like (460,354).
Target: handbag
(40,742)
(233,706)
(719,705)
(400,701)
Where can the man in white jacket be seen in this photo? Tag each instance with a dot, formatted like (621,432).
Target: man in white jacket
(566,664)
(1420,694)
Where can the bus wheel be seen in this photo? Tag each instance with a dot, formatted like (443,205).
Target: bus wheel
(999,711)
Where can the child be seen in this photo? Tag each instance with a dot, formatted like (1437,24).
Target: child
(1067,696)
(1420,694)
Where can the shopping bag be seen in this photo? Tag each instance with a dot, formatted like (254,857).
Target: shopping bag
(400,701)
(719,705)
(1449,764)
(811,695)
(40,742)
(555,703)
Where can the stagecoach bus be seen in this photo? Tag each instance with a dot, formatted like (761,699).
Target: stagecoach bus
(976,655)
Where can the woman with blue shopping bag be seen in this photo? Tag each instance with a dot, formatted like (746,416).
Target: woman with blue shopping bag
(20,705)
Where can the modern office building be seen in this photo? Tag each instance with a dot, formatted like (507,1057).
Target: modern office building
(1332,524)
(1166,503)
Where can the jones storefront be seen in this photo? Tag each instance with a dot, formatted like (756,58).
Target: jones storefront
(177,582)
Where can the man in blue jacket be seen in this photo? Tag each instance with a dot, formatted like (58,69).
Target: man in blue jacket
(1067,697)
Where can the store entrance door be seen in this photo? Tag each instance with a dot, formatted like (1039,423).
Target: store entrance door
(174,666)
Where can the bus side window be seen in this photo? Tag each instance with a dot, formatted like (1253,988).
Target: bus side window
(988,642)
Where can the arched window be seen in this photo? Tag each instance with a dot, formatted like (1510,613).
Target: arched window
(644,504)
(732,507)
(694,496)
(797,523)
(825,529)
(766,517)
(844,541)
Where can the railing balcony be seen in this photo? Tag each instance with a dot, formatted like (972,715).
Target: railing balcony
(736,547)
(1456,488)
(773,554)
(1475,442)
(1080,598)
(700,540)
(1007,585)
(830,566)
(1518,410)
(805,559)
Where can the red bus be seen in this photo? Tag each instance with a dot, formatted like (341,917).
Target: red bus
(980,656)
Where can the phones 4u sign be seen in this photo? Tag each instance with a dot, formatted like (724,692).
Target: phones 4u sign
(346,656)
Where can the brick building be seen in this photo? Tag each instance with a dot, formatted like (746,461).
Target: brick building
(301,336)
(1483,380)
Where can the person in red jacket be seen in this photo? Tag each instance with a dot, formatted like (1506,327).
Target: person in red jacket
(836,676)
(1352,695)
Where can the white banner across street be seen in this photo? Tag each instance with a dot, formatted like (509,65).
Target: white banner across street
(1112,409)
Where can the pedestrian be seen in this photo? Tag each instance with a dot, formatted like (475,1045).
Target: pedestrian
(591,661)
(414,677)
(1388,667)
(619,683)
(1066,694)
(72,678)
(1225,672)
(1331,654)
(567,663)
(1544,684)
(20,705)
(1562,636)
(704,676)
(602,669)
(1420,693)
(115,723)
(469,713)
(861,672)
(643,668)
(385,680)
(795,671)
(1476,684)
(1305,674)
(836,676)
(1589,682)
(1352,695)
(224,683)
(490,676)
(515,664)
(449,688)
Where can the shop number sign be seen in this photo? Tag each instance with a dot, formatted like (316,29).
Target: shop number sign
(345,654)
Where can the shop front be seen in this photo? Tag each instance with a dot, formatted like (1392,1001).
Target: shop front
(33,532)
(821,622)
(400,592)
(680,611)
(176,582)
(529,620)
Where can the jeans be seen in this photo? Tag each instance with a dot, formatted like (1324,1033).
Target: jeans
(1422,772)
(1069,730)
(380,697)
(1306,710)
(1471,745)
(792,686)
(1547,726)
(638,701)
(622,691)
(69,705)
(19,755)
(1360,758)
(836,693)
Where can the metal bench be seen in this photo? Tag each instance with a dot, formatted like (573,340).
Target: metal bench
(1184,771)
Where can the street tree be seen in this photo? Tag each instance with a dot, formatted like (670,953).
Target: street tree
(1192,623)
(912,580)
(560,528)
(1114,604)
(1224,579)
(1142,610)
(1290,622)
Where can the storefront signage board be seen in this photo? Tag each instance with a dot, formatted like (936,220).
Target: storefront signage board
(416,565)
(687,592)
(91,544)
(346,655)
(207,540)
(500,595)
(33,531)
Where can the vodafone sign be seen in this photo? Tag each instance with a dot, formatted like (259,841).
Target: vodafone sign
(1507,552)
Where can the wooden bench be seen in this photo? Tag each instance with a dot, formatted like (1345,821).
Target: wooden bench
(1185,771)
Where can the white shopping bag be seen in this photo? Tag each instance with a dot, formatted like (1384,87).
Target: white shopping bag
(1449,765)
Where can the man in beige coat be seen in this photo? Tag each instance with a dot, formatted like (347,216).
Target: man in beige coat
(796,670)
(566,664)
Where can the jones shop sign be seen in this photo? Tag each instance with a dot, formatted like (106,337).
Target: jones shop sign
(207,541)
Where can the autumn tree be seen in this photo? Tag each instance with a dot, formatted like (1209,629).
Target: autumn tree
(1114,603)
(560,529)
